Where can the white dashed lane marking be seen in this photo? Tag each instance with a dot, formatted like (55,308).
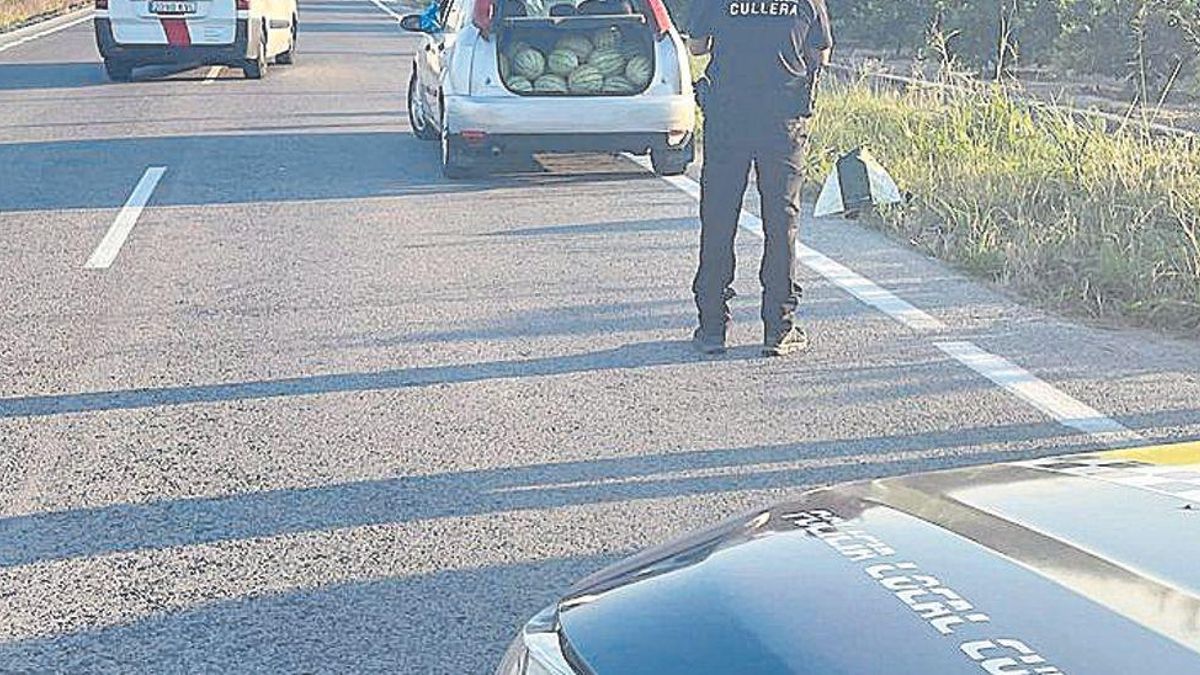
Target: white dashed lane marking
(106,253)
(387,10)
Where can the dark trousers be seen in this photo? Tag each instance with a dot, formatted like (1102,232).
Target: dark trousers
(776,150)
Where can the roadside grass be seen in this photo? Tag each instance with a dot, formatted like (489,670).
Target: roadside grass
(15,13)
(1085,219)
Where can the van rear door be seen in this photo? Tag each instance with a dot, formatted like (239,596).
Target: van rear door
(180,23)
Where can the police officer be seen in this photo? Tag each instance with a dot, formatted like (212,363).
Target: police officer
(757,98)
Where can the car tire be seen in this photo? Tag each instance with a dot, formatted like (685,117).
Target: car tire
(256,68)
(417,119)
(672,161)
(118,71)
(289,57)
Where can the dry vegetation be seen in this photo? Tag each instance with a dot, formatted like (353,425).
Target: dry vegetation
(14,13)
(1073,214)
(1093,220)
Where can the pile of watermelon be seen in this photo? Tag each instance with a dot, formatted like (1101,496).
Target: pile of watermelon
(580,65)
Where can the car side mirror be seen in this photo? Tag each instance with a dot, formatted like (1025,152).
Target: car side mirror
(412,23)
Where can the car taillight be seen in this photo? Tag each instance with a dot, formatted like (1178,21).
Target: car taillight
(660,17)
(101,4)
(243,5)
(485,10)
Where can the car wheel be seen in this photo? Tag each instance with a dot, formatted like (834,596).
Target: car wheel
(417,118)
(289,57)
(118,72)
(256,68)
(672,161)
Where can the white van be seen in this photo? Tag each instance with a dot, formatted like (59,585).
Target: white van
(245,34)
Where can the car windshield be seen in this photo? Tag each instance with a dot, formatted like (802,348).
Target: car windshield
(348,335)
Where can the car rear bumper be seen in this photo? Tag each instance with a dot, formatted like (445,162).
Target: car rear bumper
(493,145)
(546,117)
(232,54)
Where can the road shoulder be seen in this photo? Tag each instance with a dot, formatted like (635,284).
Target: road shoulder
(42,26)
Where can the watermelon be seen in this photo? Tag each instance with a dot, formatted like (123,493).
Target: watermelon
(562,62)
(529,64)
(550,84)
(505,65)
(586,80)
(517,47)
(607,38)
(639,70)
(519,85)
(576,43)
(630,50)
(608,61)
(619,84)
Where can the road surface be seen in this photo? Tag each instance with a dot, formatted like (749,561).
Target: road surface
(276,396)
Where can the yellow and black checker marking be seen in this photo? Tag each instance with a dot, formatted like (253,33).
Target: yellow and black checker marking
(1171,470)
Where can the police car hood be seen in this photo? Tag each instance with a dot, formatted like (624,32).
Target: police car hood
(1085,564)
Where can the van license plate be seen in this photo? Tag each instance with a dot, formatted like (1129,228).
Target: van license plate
(172,7)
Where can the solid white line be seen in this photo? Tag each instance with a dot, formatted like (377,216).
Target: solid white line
(49,31)
(213,74)
(1023,384)
(110,246)
(387,10)
(848,280)
(868,291)
(1060,406)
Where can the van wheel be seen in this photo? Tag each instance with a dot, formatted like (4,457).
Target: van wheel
(118,72)
(672,161)
(417,118)
(289,57)
(255,68)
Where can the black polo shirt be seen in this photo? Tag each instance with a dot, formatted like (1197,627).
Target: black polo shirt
(764,47)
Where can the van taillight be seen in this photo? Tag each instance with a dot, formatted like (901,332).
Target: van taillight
(243,5)
(660,17)
(485,10)
(101,4)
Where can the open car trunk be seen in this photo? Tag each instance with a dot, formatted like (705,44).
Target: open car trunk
(576,54)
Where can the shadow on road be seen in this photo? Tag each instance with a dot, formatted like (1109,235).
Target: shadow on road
(129,527)
(18,76)
(391,28)
(14,76)
(606,229)
(277,164)
(643,355)
(455,621)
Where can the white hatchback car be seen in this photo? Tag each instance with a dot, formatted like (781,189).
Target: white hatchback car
(495,77)
(244,34)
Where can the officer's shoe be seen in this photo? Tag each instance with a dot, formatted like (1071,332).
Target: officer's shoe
(709,345)
(792,341)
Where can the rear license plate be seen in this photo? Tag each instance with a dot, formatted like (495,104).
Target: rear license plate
(172,7)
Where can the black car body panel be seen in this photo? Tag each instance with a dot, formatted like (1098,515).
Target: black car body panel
(1087,564)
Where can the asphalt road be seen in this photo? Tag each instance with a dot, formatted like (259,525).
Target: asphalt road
(326,411)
